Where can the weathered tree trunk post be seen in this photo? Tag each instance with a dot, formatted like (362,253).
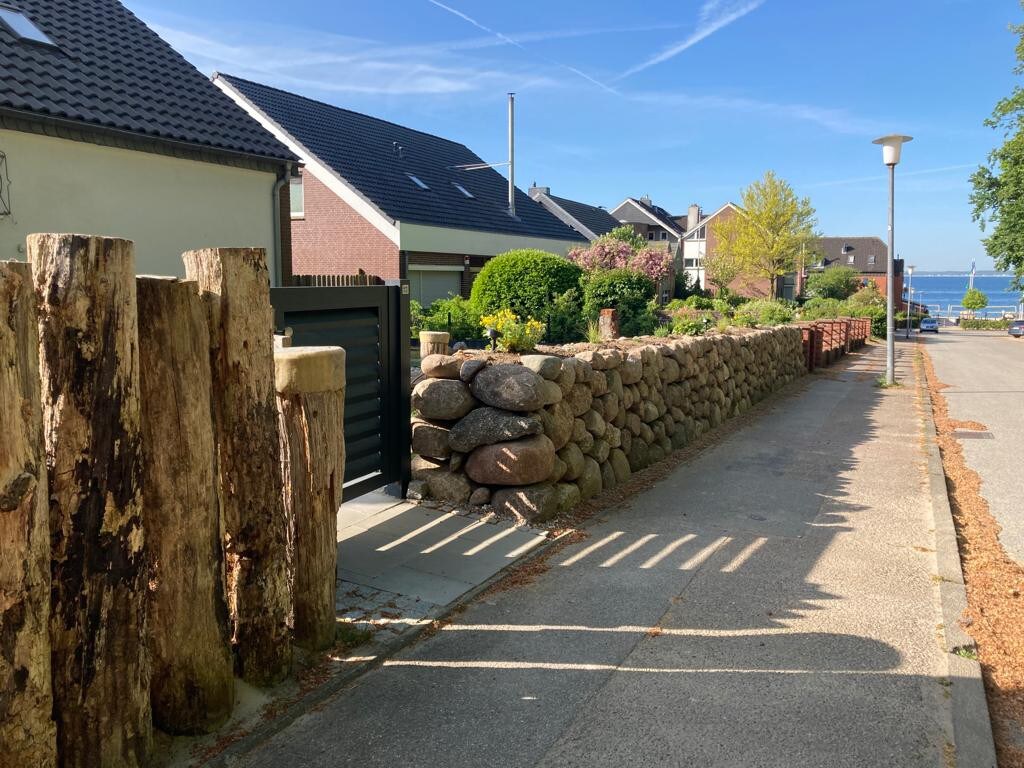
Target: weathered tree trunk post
(193,679)
(311,404)
(235,283)
(90,392)
(433,343)
(27,731)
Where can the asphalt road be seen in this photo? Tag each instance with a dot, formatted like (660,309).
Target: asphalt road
(770,603)
(985,374)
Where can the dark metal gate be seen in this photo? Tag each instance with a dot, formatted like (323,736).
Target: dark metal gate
(372,324)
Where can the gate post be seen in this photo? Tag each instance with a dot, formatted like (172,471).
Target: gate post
(310,383)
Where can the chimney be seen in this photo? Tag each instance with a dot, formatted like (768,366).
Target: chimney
(536,191)
(646,200)
(692,217)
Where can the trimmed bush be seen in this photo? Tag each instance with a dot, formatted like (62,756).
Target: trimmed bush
(524,281)
(764,312)
(833,283)
(984,325)
(464,317)
(626,291)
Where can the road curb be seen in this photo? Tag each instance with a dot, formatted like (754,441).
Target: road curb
(307,703)
(972,728)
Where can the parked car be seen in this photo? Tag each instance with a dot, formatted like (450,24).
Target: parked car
(1016,328)
(929,324)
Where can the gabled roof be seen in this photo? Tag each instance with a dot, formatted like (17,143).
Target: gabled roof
(110,72)
(655,213)
(379,160)
(692,234)
(836,252)
(590,221)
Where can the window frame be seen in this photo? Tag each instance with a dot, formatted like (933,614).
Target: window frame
(418,181)
(292,184)
(39,38)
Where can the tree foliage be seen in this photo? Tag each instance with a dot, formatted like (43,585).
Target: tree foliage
(771,231)
(629,236)
(998,196)
(833,283)
(974,300)
(723,264)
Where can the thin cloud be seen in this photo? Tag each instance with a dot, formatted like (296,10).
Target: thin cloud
(835,120)
(512,41)
(713,17)
(880,177)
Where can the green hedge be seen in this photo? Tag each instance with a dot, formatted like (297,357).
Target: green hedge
(984,325)
(524,281)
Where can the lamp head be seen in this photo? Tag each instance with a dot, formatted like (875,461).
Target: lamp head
(891,147)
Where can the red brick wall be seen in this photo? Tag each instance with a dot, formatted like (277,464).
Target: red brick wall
(333,239)
(880,282)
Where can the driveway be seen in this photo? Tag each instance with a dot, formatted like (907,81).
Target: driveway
(985,375)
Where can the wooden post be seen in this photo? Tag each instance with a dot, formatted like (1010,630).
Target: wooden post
(27,731)
(433,343)
(193,681)
(608,324)
(311,405)
(90,392)
(235,283)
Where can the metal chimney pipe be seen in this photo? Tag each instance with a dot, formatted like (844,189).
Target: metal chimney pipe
(512,154)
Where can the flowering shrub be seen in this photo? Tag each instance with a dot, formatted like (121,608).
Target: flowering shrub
(516,335)
(653,262)
(610,253)
(603,253)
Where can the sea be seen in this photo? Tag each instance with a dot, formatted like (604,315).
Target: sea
(943,291)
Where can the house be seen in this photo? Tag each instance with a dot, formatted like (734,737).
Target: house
(591,221)
(866,255)
(699,238)
(652,222)
(393,201)
(105,129)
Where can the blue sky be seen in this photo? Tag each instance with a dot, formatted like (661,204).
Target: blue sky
(686,101)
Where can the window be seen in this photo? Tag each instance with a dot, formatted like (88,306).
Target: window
(19,25)
(702,233)
(871,259)
(417,182)
(462,189)
(650,235)
(664,235)
(297,193)
(849,259)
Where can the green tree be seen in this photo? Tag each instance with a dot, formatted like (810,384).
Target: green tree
(723,264)
(998,196)
(974,300)
(628,235)
(773,228)
(833,283)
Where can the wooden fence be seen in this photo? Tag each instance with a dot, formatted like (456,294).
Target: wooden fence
(153,546)
(335,281)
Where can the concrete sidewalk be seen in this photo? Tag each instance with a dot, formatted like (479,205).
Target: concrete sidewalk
(773,602)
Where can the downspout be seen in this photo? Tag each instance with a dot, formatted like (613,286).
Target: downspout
(277,273)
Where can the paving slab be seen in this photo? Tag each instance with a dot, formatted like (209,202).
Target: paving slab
(772,602)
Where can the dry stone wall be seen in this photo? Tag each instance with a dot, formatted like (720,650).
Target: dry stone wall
(539,435)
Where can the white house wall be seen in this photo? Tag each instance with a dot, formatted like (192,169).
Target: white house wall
(166,205)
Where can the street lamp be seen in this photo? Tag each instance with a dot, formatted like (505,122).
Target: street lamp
(910,295)
(891,145)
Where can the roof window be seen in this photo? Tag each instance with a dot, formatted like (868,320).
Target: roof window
(19,25)
(462,189)
(415,180)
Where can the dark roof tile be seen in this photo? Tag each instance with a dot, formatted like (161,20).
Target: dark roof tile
(375,157)
(596,219)
(111,71)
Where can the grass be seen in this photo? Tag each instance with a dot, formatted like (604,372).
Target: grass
(881,383)
(347,636)
(966,652)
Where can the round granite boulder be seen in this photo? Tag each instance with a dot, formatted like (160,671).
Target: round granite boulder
(518,462)
(442,399)
(511,387)
(485,426)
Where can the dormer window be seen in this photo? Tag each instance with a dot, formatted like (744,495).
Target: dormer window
(871,259)
(849,259)
(19,25)
(462,189)
(415,180)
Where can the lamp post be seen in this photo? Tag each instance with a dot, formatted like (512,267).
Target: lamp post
(891,147)
(910,295)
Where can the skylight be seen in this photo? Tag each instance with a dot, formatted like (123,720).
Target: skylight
(19,25)
(417,182)
(462,189)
